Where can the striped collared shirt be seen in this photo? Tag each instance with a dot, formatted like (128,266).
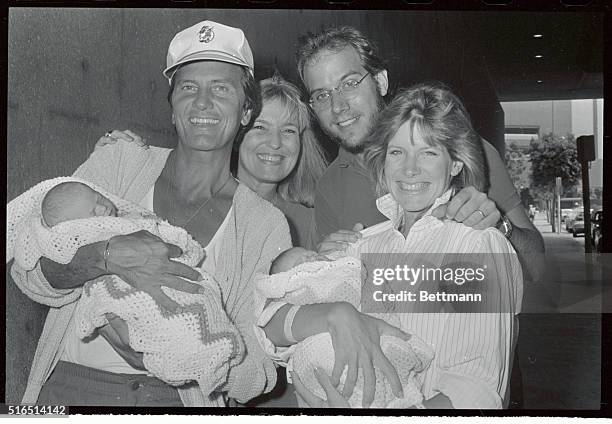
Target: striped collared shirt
(473,351)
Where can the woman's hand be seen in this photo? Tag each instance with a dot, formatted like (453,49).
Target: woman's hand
(340,240)
(143,260)
(356,341)
(117,334)
(471,207)
(334,397)
(112,137)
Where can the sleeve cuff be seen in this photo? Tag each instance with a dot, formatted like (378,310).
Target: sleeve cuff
(466,392)
(34,285)
(280,355)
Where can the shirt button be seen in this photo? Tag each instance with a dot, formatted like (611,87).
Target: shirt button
(135,385)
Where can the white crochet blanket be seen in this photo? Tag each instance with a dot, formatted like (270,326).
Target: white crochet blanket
(334,281)
(28,238)
(196,343)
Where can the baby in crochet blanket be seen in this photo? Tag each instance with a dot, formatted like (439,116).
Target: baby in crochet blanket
(293,257)
(73,200)
(302,277)
(198,342)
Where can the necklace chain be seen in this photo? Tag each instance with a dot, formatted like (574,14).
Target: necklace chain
(213,195)
(229,177)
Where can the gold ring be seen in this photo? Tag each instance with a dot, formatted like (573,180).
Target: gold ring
(481,212)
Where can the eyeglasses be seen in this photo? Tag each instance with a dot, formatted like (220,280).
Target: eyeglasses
(321,99)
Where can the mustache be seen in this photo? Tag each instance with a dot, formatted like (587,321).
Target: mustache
(367,141)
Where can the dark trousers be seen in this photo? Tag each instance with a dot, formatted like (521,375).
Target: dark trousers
(282,396)
(516,383)
(77,385)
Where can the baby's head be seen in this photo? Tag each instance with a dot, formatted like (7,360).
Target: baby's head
(73,200)
(293,257)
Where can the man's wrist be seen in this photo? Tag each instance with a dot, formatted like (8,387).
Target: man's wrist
(505,226)
(101,256)
(106,254)
(87,264)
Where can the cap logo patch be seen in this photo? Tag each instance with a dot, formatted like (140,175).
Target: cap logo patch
(206,34)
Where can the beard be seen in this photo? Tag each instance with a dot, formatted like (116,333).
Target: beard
(354,148)
(366,141)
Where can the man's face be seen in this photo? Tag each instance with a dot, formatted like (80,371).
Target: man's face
(208,104)
(346,118)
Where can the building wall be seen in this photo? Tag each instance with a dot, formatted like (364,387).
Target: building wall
(551,116)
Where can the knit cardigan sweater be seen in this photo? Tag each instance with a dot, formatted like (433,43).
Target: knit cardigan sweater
(256,233)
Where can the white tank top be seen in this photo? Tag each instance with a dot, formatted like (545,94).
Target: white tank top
(96,352)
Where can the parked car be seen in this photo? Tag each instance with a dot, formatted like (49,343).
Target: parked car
(569,218)
(578,224)
(565,213)
(596,229)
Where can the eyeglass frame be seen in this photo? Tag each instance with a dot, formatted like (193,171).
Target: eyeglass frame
(337,89)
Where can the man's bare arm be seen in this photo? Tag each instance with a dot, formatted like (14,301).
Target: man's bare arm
(141,259)
(87,264)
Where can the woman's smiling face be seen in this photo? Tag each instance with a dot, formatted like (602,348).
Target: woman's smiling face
(271,148)
(417,173)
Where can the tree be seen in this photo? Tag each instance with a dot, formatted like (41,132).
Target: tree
(517,163)
(551,157)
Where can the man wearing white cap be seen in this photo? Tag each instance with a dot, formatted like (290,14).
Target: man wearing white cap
(213,96)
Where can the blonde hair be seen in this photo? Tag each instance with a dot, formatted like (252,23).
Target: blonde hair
(442,120)
(299,186)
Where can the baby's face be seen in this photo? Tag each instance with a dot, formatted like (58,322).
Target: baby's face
(303,256)
(86,203)
(296,256)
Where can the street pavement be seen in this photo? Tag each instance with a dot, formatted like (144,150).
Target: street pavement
(573,281)
(559,346)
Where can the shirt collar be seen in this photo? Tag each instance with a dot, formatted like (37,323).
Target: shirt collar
(347,159)
(390,208)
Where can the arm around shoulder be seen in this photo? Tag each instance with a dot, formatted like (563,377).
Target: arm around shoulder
(525,238)
(101,167)
(528,243)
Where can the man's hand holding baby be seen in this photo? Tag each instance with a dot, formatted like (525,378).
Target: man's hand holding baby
(143,260)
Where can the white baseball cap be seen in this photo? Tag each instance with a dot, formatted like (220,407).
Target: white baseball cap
(208,40)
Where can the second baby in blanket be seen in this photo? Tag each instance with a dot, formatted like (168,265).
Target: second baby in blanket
(302,277)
